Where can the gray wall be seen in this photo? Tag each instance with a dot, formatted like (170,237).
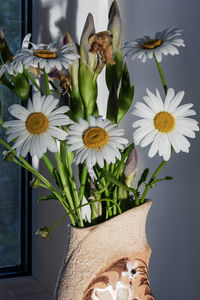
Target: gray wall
(173,226)
(173,223)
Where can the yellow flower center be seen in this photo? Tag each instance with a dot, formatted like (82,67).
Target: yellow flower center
(45,54)
(152,44)
(164,122)
(37,123)
(95,137)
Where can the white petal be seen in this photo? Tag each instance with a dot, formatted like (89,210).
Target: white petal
(37,103)
(140,133)
(57,133)
(148,138)
(18,112)
(50,143)
(155,145)
(176,101)
(168,99)
(144,110)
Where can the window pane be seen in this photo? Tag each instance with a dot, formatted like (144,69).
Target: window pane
(10,206)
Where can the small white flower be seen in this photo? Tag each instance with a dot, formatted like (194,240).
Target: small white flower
(46,56)
(121,291)
(132,272)
(37,125)
(164,42)
(95,141)
(164,124)
(10,66)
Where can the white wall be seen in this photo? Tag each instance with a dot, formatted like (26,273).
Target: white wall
(173,225)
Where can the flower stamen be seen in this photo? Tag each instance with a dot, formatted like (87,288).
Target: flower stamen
(95,137)
(164,122)
(47,54)
(152,44)
(37,123)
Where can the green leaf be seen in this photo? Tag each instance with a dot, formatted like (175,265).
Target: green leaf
(152,184)
(95,111)
(125,95)
(88,88)
(125,154)
(114,72)
(76,106)
(49,197)
(143,177)
(5,51)
(22,87)
(112,106)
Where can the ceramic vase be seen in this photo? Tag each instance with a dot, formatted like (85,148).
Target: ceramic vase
(108,261)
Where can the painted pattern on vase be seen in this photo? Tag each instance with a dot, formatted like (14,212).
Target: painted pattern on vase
(125,279)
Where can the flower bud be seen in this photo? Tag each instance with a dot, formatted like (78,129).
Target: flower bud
(115,26)
(8,156)
(88,30)
(130,167)
(43,232)
(35,182)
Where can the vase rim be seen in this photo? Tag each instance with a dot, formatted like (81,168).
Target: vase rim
(147,203)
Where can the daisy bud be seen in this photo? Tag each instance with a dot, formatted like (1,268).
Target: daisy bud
(130,167)
(114,72)
(115,26)
(8,156)
(88,30)
(35,182)
(43,232)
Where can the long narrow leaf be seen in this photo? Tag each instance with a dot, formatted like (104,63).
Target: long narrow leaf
(118,183)
(143,177)
(49,197)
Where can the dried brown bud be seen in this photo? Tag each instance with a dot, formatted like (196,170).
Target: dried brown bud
(100,44)
(43,232)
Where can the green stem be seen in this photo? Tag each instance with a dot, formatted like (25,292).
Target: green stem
(29,168)
(48,164)
(64,180)
(162,77)
(67,158)
(46,83)
(33,81)
(83,183)
(82,205)
(151,179)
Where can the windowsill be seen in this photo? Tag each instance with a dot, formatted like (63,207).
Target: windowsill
(23,288)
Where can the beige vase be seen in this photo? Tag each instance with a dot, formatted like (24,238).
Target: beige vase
(108,261)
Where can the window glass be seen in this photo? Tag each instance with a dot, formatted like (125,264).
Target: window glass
(10,198)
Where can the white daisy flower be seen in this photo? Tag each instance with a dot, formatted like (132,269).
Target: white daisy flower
(37,125)
(95,141)
(164,124)
(10,66)
(132,272)
(121,291)
(47,56)
(164,42)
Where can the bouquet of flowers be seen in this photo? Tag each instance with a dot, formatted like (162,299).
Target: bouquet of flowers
(62,117)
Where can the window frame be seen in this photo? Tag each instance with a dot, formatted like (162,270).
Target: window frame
(25,266)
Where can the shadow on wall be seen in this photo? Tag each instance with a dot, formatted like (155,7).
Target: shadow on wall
(63,21)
